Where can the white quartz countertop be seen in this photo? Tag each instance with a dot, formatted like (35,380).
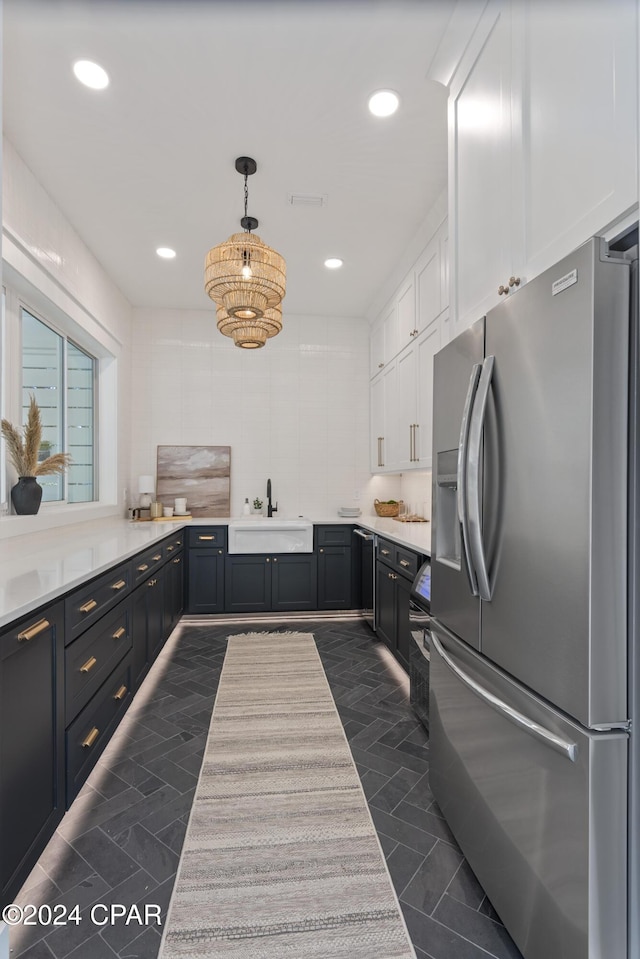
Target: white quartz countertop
(37,568)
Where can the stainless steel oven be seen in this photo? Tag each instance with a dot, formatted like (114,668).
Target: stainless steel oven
(367,542)
(420,650)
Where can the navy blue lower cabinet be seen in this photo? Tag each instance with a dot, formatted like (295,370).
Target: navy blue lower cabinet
(205,579)
(173,592)
(32,795)
(247,586)
(257,583)
(334,577)
(294,581)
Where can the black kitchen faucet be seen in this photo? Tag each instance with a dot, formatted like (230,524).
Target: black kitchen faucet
(270,509)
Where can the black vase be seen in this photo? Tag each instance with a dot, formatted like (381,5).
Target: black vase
(26,496)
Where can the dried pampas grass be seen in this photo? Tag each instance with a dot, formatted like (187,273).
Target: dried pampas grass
(23,447)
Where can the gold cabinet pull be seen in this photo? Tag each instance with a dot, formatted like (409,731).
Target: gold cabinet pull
(119,633)
(268,560)
(403,562)
(88,666)
(88,606)
(157,557)
(122,692)
(170,549)
(177,560)
(33,631)
(220,551)
(206,537)
(91,738)
(142,568)
(120,584)
(152,582)
(385,552)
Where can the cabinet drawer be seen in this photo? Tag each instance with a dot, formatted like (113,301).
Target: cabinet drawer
(93,656)
(399,558)
(407,561)
(334,535)
(207,536)
(86,605)
(90,732)
(145,563)
(173,544)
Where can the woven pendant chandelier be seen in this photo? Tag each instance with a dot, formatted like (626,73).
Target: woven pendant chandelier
(246,279)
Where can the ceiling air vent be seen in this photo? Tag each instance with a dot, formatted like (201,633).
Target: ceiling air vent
(308,199)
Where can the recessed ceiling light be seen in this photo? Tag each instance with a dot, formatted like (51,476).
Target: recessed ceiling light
(91,74)
(166,252)
(333,263)
(383,103)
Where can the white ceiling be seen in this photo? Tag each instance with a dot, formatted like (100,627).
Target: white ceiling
(150,161)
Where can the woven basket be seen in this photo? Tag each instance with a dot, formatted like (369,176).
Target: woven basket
(386,509)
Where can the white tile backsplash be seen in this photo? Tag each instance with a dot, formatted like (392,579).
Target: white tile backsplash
(296,411)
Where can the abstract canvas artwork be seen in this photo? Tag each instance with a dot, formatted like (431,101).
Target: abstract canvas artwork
(202,474)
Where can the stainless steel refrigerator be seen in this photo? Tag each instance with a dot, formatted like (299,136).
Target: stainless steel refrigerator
(533,604)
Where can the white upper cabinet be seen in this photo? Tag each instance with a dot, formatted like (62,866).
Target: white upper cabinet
(579,122)
(481,169)
(412,325)
(543,141)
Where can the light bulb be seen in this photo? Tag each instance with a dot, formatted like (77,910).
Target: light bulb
(246,272)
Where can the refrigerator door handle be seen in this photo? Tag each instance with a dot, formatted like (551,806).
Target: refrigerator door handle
(485,589)
(562,746)
(463,457)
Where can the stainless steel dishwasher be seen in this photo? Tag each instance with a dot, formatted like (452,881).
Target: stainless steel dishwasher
(366,541)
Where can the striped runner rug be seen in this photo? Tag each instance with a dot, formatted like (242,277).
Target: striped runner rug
(281,859)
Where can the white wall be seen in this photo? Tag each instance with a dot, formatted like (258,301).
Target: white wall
(296,411)
(56,273)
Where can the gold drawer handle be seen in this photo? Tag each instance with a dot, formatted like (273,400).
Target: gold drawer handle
(152,582)
(142,568)
(385,552)
(88,666)
(120,584)
(170,549)
(122,692)
(157,557)
(403,562)
(177,560)
(91,738)
(91,604)
(34,630)
(206,537)
(119,633)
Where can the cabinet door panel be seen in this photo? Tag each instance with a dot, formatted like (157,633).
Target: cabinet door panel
(406,420)
(385,606)
(293,581)
(480,168)
(247,584)
(205,580)
(580,124)
(426,348)
(428,286)
(334,577)
(406,306)
(31,743)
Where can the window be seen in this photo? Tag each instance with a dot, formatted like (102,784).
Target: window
(61,376)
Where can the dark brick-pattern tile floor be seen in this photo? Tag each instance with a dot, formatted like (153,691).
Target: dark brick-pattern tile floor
(120,842)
